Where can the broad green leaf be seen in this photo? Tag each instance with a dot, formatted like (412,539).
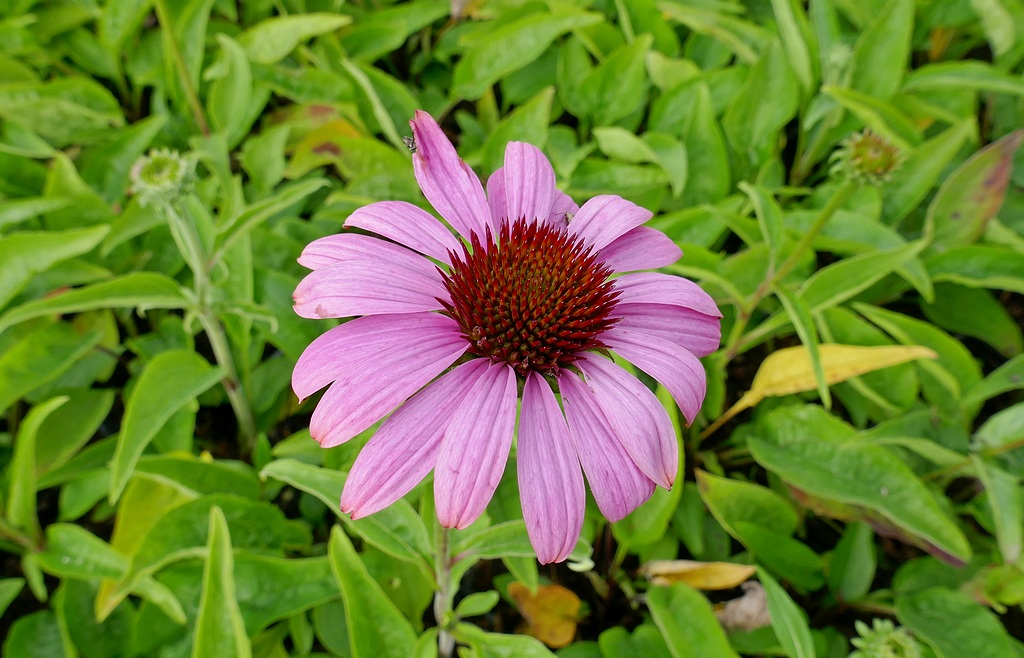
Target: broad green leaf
(270,41)
(40,356)
(511,47)
(9,590)
(142,290)
(36,635)
(220,630)
(840,281)
(807,448)
(968,74)
(787,619)
(687,623)
(21,497)
(710,176)
(169,381)
(673,158)
(979,266)
(1007,377)
(975,312)
(735,501)
(397,530)
(953,624)
(500,645)
(915,177)
(740,36)
(22,255)
(788,558)
(753,128)
(645,641)
(851,569)
(14,211)
(476,604)
(231,94)
(64,432)
(508,539)
(204,476)
(377,628)
(384,30)
(1002,491)
(616,87)
(972,195)
(882,51)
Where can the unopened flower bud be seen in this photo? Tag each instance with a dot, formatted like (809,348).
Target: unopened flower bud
(161,177)
(866,157)
(884,640)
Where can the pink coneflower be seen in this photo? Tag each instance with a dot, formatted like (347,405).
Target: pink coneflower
(452,332)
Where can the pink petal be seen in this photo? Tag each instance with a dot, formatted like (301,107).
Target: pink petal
(475,447)
(376,362)
(386,279)
(529,182)
(405,447)
(496,197)
(641,248)
(550,480)
(693,331)
(606,217)
(639,421)
(563,208)
(619,486)
(342,247)
(657,288)
(448,182)
(678,370)
(407,225)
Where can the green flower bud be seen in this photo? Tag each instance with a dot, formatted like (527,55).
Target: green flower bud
(884,640)
(866,158)
(162,177)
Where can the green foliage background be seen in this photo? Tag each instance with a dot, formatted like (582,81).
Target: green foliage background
(160,493)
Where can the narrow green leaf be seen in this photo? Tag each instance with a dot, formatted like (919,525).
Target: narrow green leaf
(376,628)
(769,219)
(787,619)
(797,41)
(969,74)
(168,382)
(882,51)
(220,630)
(511,47)
(687,623)
(23,255)
(1007,377)
(882,117)
(21,498)
(142,290)
(800,315)
(259,212)
(270,41)
(380,112)
(231,94)
(1004,499)
(14,211)
(9,590)
(39,357)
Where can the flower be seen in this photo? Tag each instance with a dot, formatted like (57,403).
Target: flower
(521,303)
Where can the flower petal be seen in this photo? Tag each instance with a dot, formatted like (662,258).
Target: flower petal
(496,196)
(529,182)
(448,182)
(407,225)
(639,420)
(693,331)
(678,370)
(405,448)
(563,208)
(475,448)
(386,279)
(606,217)
(658,288)
(550,479)
(619,486)
(641,248)
(376,362)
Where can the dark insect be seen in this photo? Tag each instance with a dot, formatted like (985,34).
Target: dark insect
(410,143)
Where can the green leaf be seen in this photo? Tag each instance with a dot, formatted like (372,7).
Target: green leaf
(798,42)
(476,604)
(735,501)
(852,568)
(882,51)
(975,312)
(500,645)
(376,628)
(384,30)
(526,123)
(953,624)
(36,635)
(64,432)
(673,158)
(142,290)
(1007,377)
(380,111)
(616,88)
(787,619)
(397,530)
(106,168)
(807,448)
(9,590)
(167,384)
(769,219)
(511,47)
(14,211)
(21,499)
(40,356)
(24,255)
(753,128)
(878,115)
(782,555)
(957,76)
(687,623)
(231,94)
(1004,499)
(972,195)
(270,41)
(219,630)
(259,212)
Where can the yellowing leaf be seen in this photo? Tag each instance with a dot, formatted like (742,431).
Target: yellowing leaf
(551,614)
(698,575)
(789,371)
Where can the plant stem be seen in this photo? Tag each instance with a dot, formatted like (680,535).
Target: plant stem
(839,197)
(443,594)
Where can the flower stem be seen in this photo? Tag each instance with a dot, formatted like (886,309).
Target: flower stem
(191,248)
(443,593)
(839,197)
